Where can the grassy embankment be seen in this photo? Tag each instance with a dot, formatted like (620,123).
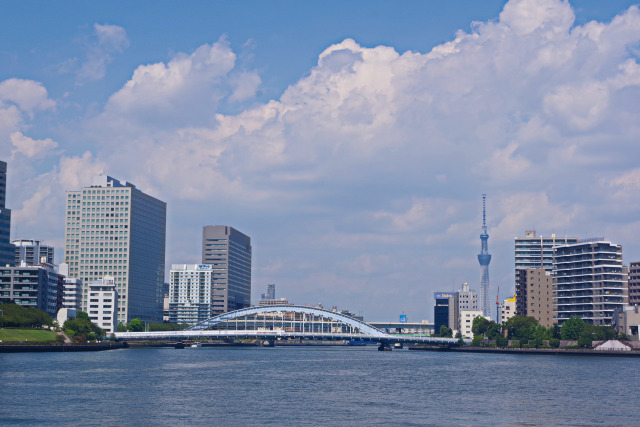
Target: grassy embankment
(30,335)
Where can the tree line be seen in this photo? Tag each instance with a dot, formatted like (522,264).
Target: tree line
(529,333)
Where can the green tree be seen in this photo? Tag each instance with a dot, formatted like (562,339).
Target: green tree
(572,328)
(81,327)
(521,327)
(477,340)
(136,325)
(168,326)
(121,327)
(501,341)
(446,332)
(480,325)
(16,316)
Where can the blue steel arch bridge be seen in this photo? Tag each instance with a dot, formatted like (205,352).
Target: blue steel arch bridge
(278,322)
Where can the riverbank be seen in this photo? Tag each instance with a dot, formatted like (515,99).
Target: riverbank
(537,351)
(59,347)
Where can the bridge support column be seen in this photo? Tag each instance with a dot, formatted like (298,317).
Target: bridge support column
(384,346)
(268,343)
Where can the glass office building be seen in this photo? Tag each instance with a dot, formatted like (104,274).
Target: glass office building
(114,229)
(228,251)
(6,248)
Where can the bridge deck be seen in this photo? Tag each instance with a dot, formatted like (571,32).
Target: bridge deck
(221,334)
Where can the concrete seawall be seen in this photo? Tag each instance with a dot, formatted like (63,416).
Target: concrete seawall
(536,351)
(57,347)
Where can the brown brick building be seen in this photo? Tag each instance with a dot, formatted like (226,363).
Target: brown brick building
(534,295)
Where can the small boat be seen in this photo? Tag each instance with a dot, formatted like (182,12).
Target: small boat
(196,345)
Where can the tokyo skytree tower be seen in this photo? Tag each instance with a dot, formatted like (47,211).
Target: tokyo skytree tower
(484,259)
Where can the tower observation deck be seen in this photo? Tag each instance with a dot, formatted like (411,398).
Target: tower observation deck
(484,258)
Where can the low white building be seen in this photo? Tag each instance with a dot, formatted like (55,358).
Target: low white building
(103,303)
(466,321)
(507,309)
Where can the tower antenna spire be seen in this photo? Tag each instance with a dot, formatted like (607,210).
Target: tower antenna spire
(484,213)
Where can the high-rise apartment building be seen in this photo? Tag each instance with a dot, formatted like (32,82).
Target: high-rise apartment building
(6,248)
(32,252)
(634,283)
(532,251)
(534,295)
(228,251)
(114,229)
(32,286)
(191,293)
(590,282)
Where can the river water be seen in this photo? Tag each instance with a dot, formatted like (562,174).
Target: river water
(297,386)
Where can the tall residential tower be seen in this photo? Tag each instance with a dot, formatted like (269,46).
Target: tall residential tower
(533,251)
(589,282)
(484,259)
(114,229)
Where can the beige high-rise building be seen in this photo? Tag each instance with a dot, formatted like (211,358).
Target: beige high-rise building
(534,295)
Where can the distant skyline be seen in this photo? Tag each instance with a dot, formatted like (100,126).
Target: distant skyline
(350,141)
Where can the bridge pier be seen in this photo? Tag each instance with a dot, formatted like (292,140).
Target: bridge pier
(270,342)
(384,346)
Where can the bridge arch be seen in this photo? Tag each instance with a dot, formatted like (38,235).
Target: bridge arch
(362,327)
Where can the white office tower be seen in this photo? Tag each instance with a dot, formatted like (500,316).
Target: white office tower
(191,293)
(103,303)
(114,229)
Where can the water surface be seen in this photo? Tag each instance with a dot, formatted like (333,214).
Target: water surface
(315,386)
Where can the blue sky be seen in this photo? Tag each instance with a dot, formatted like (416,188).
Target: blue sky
(351,140)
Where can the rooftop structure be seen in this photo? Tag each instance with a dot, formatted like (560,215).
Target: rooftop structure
(32,252)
